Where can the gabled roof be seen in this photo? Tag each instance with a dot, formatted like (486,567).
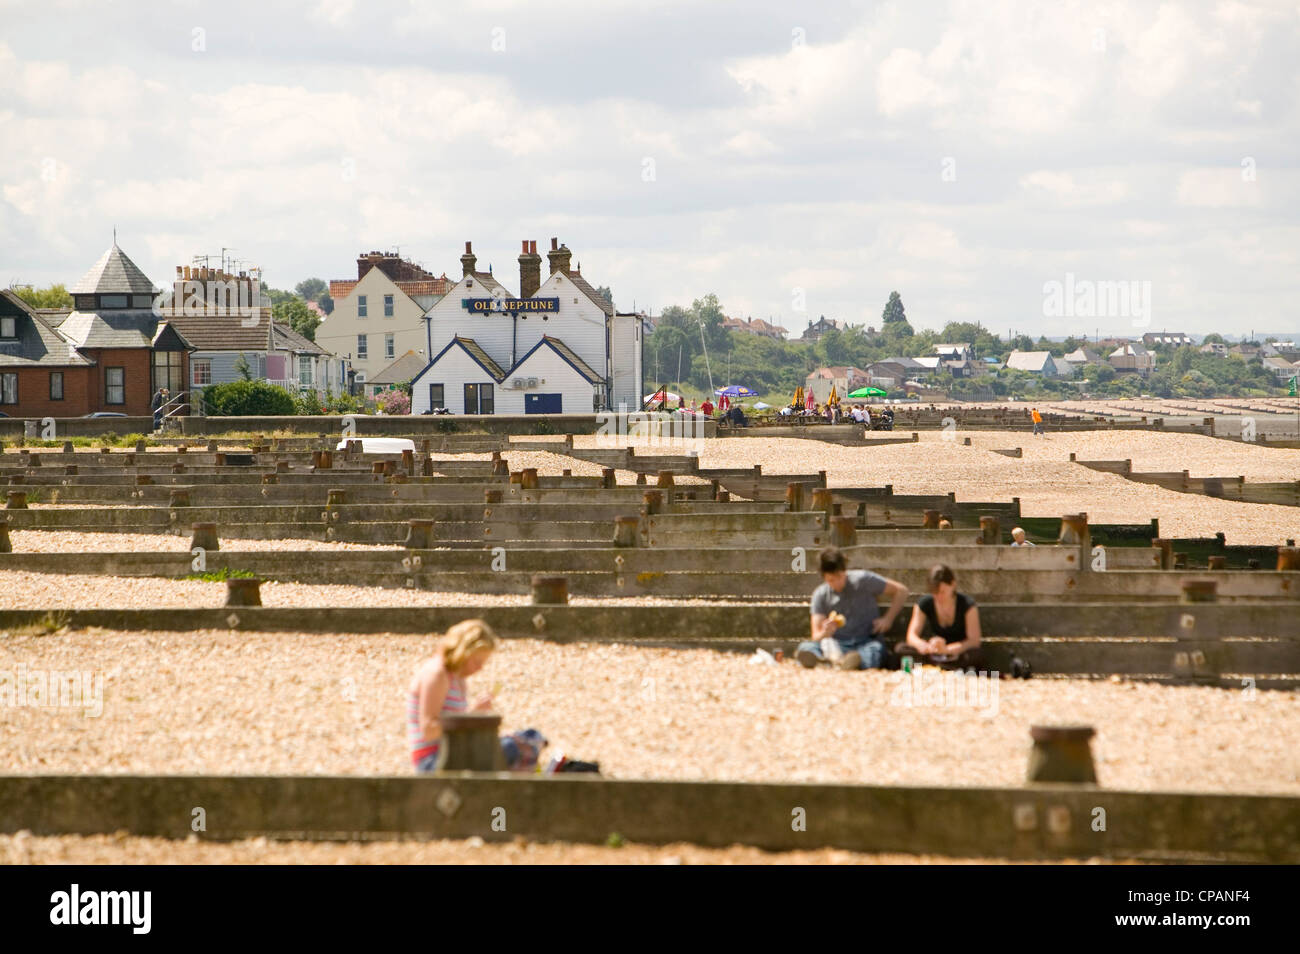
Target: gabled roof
(1082,356)
(114,274)
(37,341)
(565,352)
(1029,360)
(284,338)
(475,351)
(488,281)
(1131,348)
(597,299)
(901,362)
(225,333)
(404,368)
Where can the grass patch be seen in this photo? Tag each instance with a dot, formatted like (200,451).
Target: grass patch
(220,576)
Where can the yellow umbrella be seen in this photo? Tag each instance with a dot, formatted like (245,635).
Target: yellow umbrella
(834,398)
(798,396)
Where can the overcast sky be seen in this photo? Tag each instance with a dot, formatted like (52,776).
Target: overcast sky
(794,161)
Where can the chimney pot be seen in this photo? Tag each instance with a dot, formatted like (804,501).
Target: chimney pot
(468,249)
(554,244)
(524,250)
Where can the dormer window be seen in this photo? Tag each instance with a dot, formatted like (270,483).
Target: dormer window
(8,328)
(112,301)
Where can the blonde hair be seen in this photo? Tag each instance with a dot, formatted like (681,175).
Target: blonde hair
(463,640)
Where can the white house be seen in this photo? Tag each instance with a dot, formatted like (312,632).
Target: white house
(1035,362)
(559,347)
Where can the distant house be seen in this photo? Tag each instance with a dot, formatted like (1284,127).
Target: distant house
(892,372)
(755,326)
(955,352)
(1280,368)
(844,380)
(1131,357)
(1175,339)
(1216,348)
(1246,351)
(819,327)
(1034,362)
(1081,357)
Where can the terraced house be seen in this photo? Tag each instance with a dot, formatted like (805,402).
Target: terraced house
(109,353)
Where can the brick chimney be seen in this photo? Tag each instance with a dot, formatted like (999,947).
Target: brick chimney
(530,270)
(559,256)
(467,260)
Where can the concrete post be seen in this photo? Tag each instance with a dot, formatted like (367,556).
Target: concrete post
(528,478)
(930,520)
(1218,563)
(608,478)
(653,502)
(419,535)
(243,591)
(178,498)
(205,536)
(550,590)
(626,531)
(844,531)
(5,545)
(990,531)
(1062,754)
(1200,591)
(16,500)
(794,497)
(471,743)
(1288,558)
(665,479)
(1166,548)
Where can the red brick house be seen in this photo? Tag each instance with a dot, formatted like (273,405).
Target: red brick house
(109,354)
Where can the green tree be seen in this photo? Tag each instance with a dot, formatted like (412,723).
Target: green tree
(326,304)
(242,369)
(604,292)
(55,296)
(1213,338)
(295,313)
(310,289)
(894,311)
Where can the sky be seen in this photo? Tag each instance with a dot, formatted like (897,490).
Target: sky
(796,160)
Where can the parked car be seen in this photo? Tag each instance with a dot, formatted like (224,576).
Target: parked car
(104,414)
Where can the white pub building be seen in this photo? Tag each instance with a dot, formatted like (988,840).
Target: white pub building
(558,348)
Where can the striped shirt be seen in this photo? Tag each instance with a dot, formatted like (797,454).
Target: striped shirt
(421,748)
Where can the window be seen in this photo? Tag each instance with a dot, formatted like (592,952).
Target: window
(304,370)
(141,301)
(9,388)
(115,385)
(361,306)
(201,371)
(436,399)
(478,399)
(388,306)
(167,371)
(361,347)
(112,301)
(56,385)
(389,346)
(8,328)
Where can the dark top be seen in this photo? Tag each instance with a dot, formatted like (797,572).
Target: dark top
(954,633)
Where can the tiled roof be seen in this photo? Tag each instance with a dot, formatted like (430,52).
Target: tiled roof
(340,289)
(481,356)
(110,329)
(403,369)
(114,274)
(37,342)
(596,298)
(488,281)
(568,354)
(222,334)
(286,339)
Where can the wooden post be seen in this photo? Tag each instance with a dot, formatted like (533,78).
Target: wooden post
(665,479)
(16,500)
(500,468)
(844,531)
(550,590)
(336,498)
(1288,558)
(1062,754)
(408,461)
(178,498)
(419,535)
(930,520)
(1200,591)
(608,477)
(491,496)
(243,591)
(528,478)
(5,545)
(990,531)
(1075,532)
(653,501)
(794,497)
(471,743)
(626,531)
(1218,563)
(205,536)
(1166,548)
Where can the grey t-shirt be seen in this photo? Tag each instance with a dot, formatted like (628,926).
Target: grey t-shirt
(856,603)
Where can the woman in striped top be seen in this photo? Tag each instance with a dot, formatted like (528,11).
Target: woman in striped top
(438,687)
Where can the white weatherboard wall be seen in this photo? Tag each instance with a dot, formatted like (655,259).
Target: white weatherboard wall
(453,371)
(561,378)
(338,332)
(625,361)
(491,331)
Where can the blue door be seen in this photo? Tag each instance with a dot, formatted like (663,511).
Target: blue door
(543,403)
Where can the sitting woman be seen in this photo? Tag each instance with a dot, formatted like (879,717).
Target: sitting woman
(954,623)
(438,687)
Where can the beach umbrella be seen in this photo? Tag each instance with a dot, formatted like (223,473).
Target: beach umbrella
(658,397)
(735,390)
(760,406)
(810,401)
(866,392)
(798,396)
(834,398)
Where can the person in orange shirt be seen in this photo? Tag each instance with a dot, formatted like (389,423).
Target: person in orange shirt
(1038,420)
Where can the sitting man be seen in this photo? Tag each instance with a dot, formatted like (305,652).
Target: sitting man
(847,627)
